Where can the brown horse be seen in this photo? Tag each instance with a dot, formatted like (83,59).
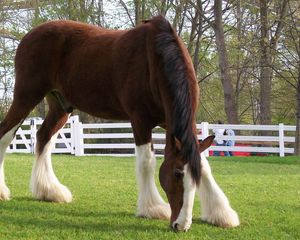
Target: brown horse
(143,75)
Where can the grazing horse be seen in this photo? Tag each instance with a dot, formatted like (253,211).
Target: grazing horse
(143,75)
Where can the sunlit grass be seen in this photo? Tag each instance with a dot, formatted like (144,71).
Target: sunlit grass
(265,191)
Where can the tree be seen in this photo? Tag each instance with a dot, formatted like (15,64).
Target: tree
(268,45)
(297,134)
(229,94)
(8,42)
(232,47)
(291,57)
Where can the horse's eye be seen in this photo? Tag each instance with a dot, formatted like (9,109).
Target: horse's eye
(178,173)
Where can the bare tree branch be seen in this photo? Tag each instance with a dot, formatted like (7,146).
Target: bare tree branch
(127,12)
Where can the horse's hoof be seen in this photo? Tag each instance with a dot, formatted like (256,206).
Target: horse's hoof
(4,193)
(225,218)
(56,193)
(181,227)
(159,211)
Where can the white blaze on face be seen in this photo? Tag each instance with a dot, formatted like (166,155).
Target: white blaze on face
(184,219)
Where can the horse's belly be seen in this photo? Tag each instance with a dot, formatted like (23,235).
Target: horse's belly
(96,101)
(88,86)
(104,112)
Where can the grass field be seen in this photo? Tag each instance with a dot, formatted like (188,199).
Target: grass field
(265,191)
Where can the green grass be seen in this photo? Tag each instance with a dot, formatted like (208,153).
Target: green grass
(265,191)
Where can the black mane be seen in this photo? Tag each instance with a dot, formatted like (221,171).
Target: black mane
(176,73)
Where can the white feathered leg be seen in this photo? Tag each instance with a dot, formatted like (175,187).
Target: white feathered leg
(150,203)
(215,207)
(4,143)
(44,184)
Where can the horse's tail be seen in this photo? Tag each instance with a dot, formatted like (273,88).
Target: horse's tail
(182,84)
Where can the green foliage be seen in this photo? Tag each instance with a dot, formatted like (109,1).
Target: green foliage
(242,42)
(263,190)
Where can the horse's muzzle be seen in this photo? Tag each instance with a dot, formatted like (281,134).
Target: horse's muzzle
(178,228)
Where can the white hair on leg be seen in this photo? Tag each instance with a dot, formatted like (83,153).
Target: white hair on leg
(215,207)
(4,143)
(150,203)
(184,219)
(44,184)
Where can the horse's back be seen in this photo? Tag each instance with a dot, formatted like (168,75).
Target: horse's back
(56,40)
(42,49)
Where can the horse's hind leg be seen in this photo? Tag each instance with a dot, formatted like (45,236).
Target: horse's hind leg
(8,127)
(6,136)
(44,184)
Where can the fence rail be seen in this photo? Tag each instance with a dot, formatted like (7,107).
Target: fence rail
(117,138)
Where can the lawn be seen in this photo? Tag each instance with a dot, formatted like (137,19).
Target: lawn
(265,191)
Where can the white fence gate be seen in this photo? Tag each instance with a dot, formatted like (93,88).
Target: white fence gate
(117,138)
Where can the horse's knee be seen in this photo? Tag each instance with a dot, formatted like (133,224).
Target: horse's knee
(145,157)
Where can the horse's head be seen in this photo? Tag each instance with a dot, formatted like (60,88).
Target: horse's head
(176,180)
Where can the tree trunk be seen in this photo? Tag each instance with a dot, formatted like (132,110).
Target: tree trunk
(229,95)
(194,22)
(100,14)
(265,66)
(297,134)
(163,8)
(199,34)
(239,52)
(180,14)
(137,7)
(195,34)
(268,49)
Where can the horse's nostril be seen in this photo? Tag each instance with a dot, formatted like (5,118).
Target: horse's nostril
(175,227)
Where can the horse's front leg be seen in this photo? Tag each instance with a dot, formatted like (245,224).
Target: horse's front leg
(215,207)
(150,203)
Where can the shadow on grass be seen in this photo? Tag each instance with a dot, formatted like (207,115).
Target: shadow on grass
(59,224)
(27,204)
(44,216)
(198,221)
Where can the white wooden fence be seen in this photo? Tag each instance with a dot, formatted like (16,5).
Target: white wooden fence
(117,138)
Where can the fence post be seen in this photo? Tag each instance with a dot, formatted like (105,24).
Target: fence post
(205,135)
(281,139)
(33,131)
(77,136)
(72,137)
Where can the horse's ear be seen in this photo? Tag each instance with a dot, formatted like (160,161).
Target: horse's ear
(204,144)
(178,144)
